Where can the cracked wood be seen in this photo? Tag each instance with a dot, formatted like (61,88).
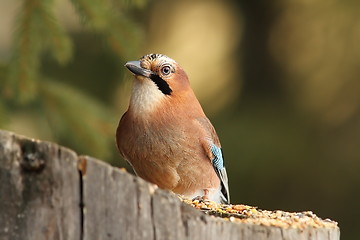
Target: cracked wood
(49,192)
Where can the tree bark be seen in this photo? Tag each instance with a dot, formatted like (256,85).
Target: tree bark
(49,192)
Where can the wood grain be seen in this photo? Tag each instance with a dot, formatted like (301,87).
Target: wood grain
(48,192)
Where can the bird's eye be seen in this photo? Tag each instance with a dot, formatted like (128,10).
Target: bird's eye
(166,70)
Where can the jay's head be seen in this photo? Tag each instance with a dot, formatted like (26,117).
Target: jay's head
(160,83)
(164,73)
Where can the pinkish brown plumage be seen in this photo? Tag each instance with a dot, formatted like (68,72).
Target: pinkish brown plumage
(165,134)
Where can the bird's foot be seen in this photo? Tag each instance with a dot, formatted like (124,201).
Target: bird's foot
(202,198)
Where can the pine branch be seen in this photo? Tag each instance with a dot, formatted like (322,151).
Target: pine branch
(126,39)
(25,62)
(36,31)
(128,4)
(122,34)
(3,114)
(78,120)
(59,42)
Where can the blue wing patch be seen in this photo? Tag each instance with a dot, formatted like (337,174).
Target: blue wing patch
(218,164)
(218,161)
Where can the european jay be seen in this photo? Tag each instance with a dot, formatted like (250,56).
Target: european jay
(166,136)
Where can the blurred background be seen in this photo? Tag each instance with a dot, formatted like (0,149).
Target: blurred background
(280,80)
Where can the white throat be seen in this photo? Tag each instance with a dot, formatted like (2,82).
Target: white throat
(145,96)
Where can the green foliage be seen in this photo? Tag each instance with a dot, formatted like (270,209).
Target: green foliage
(36,31)
(3,110)
(75,119)
(121,33)
(3,114)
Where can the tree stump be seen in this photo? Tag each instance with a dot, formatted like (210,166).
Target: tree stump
(49,192)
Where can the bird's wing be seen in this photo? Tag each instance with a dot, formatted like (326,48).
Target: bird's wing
(212,147)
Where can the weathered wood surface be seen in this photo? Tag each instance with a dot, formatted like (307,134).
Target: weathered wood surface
(39,190)
(43,195)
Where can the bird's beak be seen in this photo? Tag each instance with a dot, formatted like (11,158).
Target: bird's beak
(135,68)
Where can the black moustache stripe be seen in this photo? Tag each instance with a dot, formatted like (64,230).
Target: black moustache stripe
(161,84)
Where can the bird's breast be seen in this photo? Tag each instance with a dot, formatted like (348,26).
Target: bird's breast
(168,153)
(154,149)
